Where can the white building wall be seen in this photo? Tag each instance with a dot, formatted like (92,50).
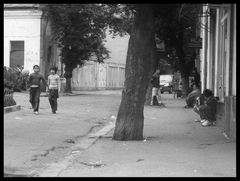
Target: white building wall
(118,47)
(23,26)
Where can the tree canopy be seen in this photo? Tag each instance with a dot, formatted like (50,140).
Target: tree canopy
(80,29)
(176,28)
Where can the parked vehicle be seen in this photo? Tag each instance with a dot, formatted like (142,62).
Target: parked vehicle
(166,83)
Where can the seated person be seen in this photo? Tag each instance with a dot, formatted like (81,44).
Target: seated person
(191,98)
(207,110)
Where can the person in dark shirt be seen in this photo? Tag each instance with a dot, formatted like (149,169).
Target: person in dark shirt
(191,98)
(207,110)
(155,88)
(176,84)
(35,89)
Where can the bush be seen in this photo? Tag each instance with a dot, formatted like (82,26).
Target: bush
(8,97)
(15,79)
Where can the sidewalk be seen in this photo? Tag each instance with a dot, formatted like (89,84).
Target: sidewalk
(33,141)
(174,146)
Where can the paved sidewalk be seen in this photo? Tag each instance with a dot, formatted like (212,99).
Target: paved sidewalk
(174,146)
(31,142)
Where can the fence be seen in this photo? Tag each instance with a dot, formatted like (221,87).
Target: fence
(95,76)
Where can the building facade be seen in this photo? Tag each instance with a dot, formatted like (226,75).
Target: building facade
(218,61)
(27,39)
(27,42)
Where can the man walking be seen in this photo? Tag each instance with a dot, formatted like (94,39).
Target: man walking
(155,90)
(177,84)
(35,89)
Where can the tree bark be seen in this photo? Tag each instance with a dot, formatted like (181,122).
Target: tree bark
(140,58)
(68,76)
(149,94)
(68,85)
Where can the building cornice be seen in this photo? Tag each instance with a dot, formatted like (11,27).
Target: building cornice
(23,14)
(20,6)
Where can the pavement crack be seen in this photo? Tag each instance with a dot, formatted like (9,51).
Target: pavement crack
(209,144)
(91,164)
(89,131)
(47,152)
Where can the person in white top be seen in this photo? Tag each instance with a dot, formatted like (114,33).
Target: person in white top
(53,88)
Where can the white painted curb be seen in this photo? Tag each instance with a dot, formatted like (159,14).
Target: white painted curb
(11,108)
(103,131)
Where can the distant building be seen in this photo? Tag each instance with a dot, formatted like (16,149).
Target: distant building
(27,38)
(218,61)
(27,41)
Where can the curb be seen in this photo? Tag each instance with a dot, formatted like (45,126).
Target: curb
(225,135)
(12,108)
(103,131)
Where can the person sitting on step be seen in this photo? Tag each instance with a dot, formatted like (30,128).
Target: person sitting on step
(207,110)
(191,98)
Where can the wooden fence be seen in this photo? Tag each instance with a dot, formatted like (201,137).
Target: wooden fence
(95,76)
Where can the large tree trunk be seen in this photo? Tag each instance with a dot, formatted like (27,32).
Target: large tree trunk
(185,85)
(68,76)
(149,94)
(140,58)
(68,85)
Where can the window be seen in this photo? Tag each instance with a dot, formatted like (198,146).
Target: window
(16,53)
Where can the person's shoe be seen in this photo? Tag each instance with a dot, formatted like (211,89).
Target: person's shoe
(54,112)
(196,120)
(206,123)
(214,123)
(35,112)
(203,120)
